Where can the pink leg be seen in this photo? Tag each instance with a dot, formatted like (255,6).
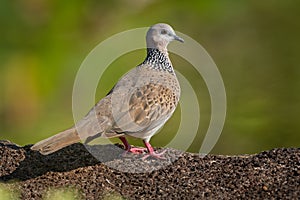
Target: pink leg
(151,152)
(140,150)
(128,148)
(125,142)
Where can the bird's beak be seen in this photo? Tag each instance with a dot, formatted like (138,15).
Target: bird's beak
(178,38)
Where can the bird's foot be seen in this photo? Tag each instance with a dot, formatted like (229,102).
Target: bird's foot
(137,150)
(141,150)
(134,150)
(155,155)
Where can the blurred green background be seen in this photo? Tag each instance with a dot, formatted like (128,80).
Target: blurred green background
(255,44)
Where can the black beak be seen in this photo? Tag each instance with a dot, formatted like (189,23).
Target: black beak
(178,38)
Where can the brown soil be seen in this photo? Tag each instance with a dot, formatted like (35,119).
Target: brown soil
(273,174)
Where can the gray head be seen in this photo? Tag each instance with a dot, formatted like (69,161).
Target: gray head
(160,35)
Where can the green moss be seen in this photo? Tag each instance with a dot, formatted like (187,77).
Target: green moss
(8,192)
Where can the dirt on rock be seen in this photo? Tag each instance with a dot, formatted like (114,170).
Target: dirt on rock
(273,174)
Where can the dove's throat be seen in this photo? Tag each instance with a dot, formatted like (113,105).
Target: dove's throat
(158,60)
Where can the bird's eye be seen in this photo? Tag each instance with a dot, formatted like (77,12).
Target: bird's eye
(163,32)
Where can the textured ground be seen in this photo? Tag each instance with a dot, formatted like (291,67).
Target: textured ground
(271,174)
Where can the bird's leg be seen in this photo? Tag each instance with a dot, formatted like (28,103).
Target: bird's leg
(125,142)
(140,150)
(151,152)
(129,148)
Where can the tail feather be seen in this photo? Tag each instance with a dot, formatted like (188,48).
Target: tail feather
(57,142)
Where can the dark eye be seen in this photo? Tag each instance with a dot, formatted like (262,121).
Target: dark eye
(163,32)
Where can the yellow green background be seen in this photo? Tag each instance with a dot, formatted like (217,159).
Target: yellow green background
(255,44)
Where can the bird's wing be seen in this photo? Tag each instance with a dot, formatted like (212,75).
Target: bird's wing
(142,100)
(97,122)
(139,101)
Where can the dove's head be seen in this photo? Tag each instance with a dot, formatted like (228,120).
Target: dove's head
(160,35)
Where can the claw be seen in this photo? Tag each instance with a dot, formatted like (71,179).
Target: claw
(134,150)
(129,149)
(152,152)
(137,150)
(141,150)
(155,155)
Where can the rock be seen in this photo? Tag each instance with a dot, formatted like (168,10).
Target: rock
(267,175)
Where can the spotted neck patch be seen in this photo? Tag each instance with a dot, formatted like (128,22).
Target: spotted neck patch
(158,60)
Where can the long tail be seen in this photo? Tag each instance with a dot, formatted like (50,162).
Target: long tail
(57,142)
